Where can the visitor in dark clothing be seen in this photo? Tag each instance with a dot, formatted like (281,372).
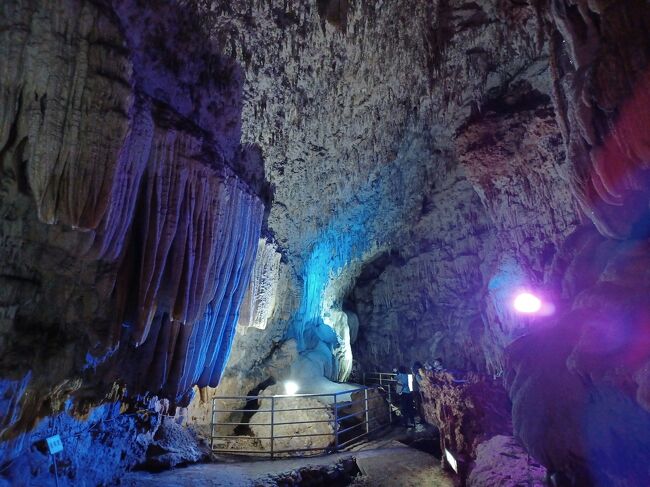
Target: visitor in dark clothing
(418,378)
(403,389)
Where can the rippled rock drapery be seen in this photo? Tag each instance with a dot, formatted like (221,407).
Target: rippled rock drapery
(131,212)
(599,56)
(261,295)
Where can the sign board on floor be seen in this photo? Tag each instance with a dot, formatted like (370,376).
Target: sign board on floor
(54,444)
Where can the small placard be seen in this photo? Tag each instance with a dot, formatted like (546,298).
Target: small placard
(54,444)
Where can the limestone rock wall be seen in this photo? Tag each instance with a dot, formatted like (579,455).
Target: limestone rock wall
(131,212)
(599,57)
(492,225)
(424,301)
(595,360)
(353,119)
(589,352)
(544,159)
(427,160)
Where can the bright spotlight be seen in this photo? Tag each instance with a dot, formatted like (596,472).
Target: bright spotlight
(291,387)
(527,303)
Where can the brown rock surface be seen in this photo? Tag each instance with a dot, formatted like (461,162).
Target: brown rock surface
(467,410)
(501,461)
(300,423)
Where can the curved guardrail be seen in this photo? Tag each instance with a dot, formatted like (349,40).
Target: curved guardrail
(353,414)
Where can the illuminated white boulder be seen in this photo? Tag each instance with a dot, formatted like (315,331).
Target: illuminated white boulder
(309,429)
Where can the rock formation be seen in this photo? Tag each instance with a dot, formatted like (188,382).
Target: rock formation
(259,301)
(300,423)
(502,461)
(356,183)
(131,212)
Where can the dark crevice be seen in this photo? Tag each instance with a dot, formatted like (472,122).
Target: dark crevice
(252,405)
(335,12)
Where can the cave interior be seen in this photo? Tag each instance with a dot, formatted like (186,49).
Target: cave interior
(205,198)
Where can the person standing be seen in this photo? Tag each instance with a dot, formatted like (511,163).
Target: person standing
(437,365)
(418,378)
(403,389)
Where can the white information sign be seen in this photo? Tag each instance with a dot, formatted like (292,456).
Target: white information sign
(54,444)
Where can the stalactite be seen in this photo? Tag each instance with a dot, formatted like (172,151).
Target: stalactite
(164,355)
(259,300)
(603,87)
(76,120)
(233,312)
(111,234)
(131,153)
(229,307)
(223,284)
(164,194)
(178,354)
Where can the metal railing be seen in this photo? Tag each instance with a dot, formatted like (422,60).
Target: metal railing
(323,422)
(384,380)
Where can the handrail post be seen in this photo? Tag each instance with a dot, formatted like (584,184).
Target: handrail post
(272,421)
(380,382)
(212,425)
(336,424)
(365,393)
(390,410)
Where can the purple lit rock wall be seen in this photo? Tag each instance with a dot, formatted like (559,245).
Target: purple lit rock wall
(546,189)
(131,212)
(480,125)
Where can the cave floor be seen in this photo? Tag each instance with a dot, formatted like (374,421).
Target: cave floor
(383,463)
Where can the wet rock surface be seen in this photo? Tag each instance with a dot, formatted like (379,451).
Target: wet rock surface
(467,410)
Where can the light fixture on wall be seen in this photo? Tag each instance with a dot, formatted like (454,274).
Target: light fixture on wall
(528,303)
(451,460)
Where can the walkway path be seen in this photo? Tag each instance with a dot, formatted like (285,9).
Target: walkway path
(383,463)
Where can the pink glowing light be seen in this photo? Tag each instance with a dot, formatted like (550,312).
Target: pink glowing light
(527,303)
